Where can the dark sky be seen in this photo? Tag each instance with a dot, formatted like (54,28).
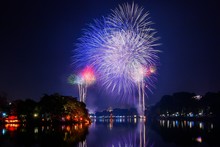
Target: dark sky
(37,40)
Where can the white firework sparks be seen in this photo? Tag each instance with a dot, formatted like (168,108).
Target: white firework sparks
(120,47)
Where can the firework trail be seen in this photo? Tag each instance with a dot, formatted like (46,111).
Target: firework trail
(76,80)
(120,47)
(85,78)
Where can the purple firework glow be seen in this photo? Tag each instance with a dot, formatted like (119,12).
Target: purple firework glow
(120,47)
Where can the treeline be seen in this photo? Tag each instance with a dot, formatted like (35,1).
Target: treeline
(50,108)
(185,104)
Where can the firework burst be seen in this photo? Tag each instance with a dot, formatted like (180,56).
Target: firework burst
(120,47)
(84,79)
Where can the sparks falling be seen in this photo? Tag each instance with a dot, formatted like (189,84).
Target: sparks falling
(120,47)
(84,79)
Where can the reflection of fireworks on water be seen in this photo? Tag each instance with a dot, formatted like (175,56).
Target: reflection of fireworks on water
(132,139)
(85,78)
(120,48)
(82,144)
(129,140)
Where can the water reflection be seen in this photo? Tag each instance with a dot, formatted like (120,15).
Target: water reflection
(119,133)
(185,124)
(75,133)
(133,138)
(188,132)
(113,133)
(199,139)
(46,135)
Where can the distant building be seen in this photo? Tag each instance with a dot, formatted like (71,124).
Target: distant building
(110,109)
(197,97)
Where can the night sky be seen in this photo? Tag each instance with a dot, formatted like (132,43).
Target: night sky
(37,41)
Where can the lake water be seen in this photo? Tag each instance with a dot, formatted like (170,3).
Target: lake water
(114,133)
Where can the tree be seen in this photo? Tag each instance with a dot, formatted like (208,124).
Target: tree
(3,102)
